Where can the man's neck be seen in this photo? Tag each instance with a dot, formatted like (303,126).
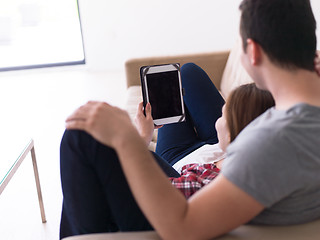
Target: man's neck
(290,88)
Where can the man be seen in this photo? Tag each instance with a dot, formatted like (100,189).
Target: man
(270,175)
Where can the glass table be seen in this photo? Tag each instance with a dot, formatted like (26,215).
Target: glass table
(12,153)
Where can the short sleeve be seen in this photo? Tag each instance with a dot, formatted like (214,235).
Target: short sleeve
(262,163)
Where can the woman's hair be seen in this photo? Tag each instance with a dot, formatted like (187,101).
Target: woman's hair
(243,105)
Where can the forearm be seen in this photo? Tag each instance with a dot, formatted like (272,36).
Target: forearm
(207,214)
(147,138)
(164,206)
(210,212)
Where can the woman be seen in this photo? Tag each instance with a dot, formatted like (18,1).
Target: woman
(97,197)
(198,168)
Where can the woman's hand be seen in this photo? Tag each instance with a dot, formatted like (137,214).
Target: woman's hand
(107,124)
(145,123)
(317,62)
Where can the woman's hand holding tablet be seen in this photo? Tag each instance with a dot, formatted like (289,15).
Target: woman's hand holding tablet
(144,122)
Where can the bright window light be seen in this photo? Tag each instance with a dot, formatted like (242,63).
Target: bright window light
(40,33)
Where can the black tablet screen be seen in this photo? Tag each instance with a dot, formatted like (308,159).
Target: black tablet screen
(164,94)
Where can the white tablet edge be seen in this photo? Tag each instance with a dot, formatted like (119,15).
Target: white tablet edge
(165,68)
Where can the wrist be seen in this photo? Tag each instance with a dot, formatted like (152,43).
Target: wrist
(147,138)
(126,138)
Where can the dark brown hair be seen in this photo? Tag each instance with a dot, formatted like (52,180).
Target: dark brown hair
(243,105)
(285,29)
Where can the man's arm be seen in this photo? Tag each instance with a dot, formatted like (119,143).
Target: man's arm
(214,210)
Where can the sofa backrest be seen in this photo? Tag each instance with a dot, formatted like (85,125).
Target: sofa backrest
(224,68)
(234,73)
(213,63)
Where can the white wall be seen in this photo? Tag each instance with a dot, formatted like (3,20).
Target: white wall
(117,30)
(316,11)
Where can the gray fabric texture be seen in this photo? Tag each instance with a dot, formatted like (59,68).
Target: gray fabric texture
(276,160)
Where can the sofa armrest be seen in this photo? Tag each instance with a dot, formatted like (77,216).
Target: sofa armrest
(213,63)
(307,231)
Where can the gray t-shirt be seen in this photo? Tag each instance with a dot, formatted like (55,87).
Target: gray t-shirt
(276,160)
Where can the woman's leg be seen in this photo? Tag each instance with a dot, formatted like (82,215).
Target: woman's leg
(203,101)
(96,196)
(177,140)
(203,104)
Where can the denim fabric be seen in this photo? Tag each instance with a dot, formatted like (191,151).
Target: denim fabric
(203,104)
(96,195)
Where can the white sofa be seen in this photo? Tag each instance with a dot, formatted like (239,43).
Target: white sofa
(225,70)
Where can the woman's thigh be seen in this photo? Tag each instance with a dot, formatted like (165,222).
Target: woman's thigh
(203,104)
(203,101)
(175,139)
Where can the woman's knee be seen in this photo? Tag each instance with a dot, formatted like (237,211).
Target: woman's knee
(191,73)
(190,68)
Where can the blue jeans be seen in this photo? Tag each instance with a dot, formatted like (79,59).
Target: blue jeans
(96,195)
(203,104)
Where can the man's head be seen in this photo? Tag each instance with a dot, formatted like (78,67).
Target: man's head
(285,29)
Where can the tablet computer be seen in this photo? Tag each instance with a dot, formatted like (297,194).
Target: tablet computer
(161,86)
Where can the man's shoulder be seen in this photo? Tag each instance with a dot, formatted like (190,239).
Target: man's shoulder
(275,130)
(265,127)
(274,121)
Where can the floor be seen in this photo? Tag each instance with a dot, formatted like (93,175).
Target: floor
(35,103)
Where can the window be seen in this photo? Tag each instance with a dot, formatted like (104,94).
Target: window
(40,33)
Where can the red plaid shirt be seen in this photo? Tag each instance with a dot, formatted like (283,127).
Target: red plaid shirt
(194,177)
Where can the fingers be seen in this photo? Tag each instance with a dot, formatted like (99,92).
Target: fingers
(81,115)
(148,110)
(140,111)
(140,107)
(76,124)
(139,114)
(158,126)
(78,119)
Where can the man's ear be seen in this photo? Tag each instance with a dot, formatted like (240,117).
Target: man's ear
(254,52)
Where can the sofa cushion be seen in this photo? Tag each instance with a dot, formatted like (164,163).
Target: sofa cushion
(234,73)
